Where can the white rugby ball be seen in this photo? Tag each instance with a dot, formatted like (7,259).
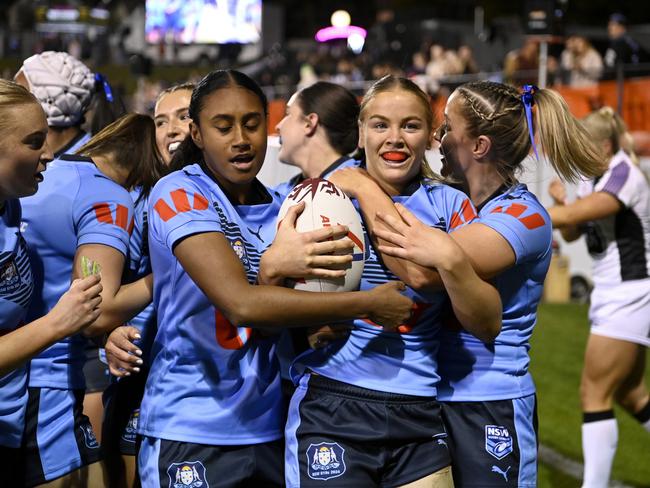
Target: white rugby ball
(326,205)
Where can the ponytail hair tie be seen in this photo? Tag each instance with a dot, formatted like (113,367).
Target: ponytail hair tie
(107,88)
(528,99)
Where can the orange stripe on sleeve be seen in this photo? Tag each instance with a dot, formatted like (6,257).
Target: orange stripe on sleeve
(103,213)
(181,202)
(164,210)
(122,217)
(516,209)
(455,220)
(468,211)
(533,221)
(200,202)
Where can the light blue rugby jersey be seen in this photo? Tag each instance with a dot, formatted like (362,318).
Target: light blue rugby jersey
(16,287)
(394,362)
(75,204)
(209,382)
(344,161)
(74,145)
(139,265)
(472,370)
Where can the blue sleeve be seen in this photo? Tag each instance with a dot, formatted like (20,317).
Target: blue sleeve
(178,208)
(103,214)
(454,208)
(524,223)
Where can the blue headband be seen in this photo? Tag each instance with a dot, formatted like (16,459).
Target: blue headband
(528,100)
(107,88)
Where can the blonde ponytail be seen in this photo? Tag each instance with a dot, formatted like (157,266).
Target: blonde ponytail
(565,141)
(497,111)
(605,124)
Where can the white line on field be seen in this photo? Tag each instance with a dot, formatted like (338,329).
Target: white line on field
(567,465)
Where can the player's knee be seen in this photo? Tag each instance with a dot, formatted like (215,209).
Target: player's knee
(631,398)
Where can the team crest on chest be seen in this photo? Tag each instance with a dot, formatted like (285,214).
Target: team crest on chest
(325,461)
(239,247)
(187,474)
(498,441)
(9,277)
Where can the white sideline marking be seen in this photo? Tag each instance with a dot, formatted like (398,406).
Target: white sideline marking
(568,466)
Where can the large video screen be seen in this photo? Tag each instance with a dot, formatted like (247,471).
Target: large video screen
(203,21)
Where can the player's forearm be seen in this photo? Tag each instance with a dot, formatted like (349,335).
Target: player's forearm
(258,307)
(268,273)
(126,303)
(476,303)
(19,346)
(372,200)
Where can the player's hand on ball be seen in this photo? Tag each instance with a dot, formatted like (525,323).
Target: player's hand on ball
(390,308)
(320,253)
(122,353)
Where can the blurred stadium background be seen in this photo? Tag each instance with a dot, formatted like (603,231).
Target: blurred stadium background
(143,46)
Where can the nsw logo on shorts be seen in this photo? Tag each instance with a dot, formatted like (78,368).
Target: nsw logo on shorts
(89,436)
(325,461)
(131,429)
(187,474)
(498,441)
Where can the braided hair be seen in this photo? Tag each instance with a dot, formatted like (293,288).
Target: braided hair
(496,111)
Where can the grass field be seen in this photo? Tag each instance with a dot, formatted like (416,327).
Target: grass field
(557,353)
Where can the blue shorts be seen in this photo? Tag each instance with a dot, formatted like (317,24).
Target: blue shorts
(493,443)
(58,436)
(96,370)
(173,464)
(11,462)
(339,435)
(121,414)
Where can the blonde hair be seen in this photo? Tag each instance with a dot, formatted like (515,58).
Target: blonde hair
(131,140)
(390,83)
(496,110)
(188,86)
(13,95)
(605,124)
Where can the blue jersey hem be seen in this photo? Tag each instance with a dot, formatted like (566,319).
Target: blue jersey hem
(379,386)
(198,439)
(485,398)
(57,386)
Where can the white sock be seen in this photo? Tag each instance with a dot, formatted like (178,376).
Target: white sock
(599,441)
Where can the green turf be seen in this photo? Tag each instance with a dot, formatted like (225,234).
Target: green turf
(556,361)
(551,478)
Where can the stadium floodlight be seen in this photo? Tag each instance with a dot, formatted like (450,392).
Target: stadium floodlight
(341,29)
(340,18)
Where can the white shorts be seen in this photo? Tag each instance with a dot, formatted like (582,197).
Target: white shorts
(622,311)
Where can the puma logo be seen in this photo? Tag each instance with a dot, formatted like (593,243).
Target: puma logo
(497,469)
(257,234)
